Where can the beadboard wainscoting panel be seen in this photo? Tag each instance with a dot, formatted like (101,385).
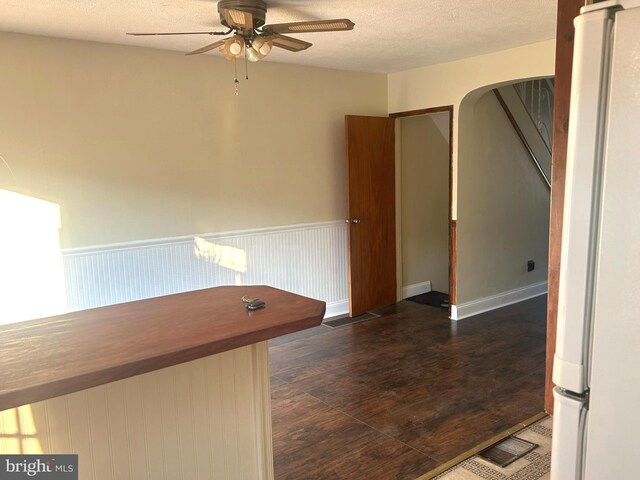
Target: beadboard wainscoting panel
(309,260)
(209,418)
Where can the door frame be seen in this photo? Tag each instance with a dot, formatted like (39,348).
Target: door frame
(567,11)
(452,222)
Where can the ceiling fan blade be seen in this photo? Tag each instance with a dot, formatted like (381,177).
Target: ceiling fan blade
(337,25)
(237,18)
(206,48)
(289,43)
(179,33)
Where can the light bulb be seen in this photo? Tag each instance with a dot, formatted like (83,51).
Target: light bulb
(266,47)
(235,48)
(234,45)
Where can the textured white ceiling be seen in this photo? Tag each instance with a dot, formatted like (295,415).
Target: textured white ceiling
(389,36)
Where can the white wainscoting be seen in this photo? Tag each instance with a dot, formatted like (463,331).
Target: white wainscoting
(309,260)
(468,309)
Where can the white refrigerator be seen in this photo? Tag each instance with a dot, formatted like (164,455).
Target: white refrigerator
(596,424)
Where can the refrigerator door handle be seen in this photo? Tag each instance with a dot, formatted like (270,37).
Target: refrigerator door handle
(569,433)
(582,198)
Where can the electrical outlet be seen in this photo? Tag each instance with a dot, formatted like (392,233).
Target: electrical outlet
(531,265)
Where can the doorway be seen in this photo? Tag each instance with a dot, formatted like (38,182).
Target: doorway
(371,224)
(426,232)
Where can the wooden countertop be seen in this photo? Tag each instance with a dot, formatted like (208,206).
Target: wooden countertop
(52,356)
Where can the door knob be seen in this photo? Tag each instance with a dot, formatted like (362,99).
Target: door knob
(355,220)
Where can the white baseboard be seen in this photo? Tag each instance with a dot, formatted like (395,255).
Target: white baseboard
(336,309)
(468,309)
(416,289)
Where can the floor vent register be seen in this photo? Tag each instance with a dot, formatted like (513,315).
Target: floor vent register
(507,451)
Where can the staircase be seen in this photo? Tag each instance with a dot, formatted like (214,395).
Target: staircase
(529,107)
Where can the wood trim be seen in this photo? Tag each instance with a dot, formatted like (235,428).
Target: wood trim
(567,11)
(423,111)
(452,263)
(53,356)
(452,223)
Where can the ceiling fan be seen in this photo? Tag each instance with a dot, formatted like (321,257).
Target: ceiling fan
(251,38)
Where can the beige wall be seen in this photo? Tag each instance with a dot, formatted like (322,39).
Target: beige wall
(503,205)
(425,202)
(449,83)
(136,143)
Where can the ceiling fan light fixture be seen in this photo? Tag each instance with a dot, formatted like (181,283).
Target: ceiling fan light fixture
(254,55)
(226,54)
(234,45)
(262,44)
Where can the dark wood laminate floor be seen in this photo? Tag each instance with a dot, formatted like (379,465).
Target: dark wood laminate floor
(396,396)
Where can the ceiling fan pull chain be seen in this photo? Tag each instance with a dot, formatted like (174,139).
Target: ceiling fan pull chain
(235,69)
(246,65)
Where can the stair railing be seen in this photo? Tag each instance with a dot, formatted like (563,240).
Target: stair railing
(523,139)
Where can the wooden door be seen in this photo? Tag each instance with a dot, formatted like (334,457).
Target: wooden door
(370,143)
